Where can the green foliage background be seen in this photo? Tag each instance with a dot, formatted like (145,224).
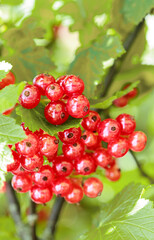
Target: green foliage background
(85,38)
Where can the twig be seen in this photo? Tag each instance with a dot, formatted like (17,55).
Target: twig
(32,220)
(53,219)
(144,174)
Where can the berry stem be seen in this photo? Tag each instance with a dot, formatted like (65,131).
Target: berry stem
(53,219)
(143,173)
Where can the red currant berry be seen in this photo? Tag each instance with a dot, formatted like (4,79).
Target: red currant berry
(137,141)
(73,85)
(113,174)
(62,186)
(121,102)
(85,165)
(42,81)
(92,187)
(78,106)
(30,97)
(32,164)
(109,129)
(61,81)
(14,166)
(54,92)
(102,157)
(89,139)
(73,151)
(44,177)
(19,171)
(132,93)
(55,113)
(9,79)
(22,183)
(48,145)
(41,195)
(29,146)
(118,147)
(127,123)
(75,195)
(62,166)
(70,135)
(91,121)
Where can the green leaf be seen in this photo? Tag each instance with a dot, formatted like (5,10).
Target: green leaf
(5,67)
(107,102)
(149,193)
(10,132)
(34,119)
(135,11)
(88,63)
(127,216)
(9,96)
(10,2)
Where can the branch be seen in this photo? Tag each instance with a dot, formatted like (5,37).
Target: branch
(53,219)
(32,220)
(144,174)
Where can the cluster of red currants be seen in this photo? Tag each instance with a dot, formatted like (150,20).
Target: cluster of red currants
(65,97)
(82,154)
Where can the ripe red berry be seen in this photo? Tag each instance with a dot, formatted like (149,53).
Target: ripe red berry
(32,164)
(19,171)
(62,186)
(75,195)
(70,135)
(41,195)
(109,129)
(22,183)
(137,141)
(13,166)
(61,81)
(30,97)
(113,174)
(121,102)
(73,151)
(54,92)
(89,139)
(9,79)
(132,93)
(85,165)
(44,177)
(91,121)
(55,113)
(42,81)
(29,146)
(118,147)
(62,166)
(92,187)
(102,157)
(48,145)
(127,123)
(73,85)
(78,106)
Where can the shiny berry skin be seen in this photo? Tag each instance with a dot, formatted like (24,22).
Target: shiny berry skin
(22,183)
(91,121)
(132,93)
(42,81)
(44,177)
(55,113)
(70,135)
(19,171)
(73,85)
(109,129)
(41,195)
(75,195)
(113,174)
(102,157)
(14,166)
(62,186)
(73,151)
(78,106)
(9,79)
(61,81)
(137,141)
(127,123)
(92,187)
(118,147)
(62,166)
(32,164)
(85,165)
(89,139)
(54,92)
(121,102)
(48,145)
(29,146)
(30,97)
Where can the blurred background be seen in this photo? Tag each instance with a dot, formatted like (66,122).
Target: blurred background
(56,37)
